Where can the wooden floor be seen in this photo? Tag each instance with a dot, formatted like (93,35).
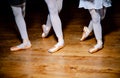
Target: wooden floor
(73,61)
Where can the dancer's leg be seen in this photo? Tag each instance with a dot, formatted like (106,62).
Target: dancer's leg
(96,19)
(19,19)
(56,22)
(46,27)
(23,7)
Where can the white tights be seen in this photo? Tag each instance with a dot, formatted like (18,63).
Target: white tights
(19,13)
(53,19)
(95,23)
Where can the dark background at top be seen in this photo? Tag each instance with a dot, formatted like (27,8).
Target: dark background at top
(39,5)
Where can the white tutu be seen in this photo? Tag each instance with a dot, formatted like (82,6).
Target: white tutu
(94,4)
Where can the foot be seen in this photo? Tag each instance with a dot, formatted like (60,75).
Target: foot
(85,34)
(56,48)
(96,48)
(46,30)
(22,46)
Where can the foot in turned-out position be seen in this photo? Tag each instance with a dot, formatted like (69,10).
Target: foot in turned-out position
(97,47)
(24,45)
(56,47)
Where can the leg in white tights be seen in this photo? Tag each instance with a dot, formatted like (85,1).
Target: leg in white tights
(102,13)
(59,7)
(48,25)
(95,25)
(97,29)
(19,19)
(54,20)
(23,9)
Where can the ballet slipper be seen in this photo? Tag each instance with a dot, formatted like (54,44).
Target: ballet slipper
(22,46)
(55,48)
(46,30)
(85,34)
(96,48)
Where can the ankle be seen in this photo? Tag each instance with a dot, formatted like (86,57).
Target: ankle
(26,40)
(99,43)
(61,40)
(60,43)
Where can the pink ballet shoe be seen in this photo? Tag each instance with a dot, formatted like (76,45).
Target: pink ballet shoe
(46,30)
(95,49)
(21,46)
(55,48)
(85,34)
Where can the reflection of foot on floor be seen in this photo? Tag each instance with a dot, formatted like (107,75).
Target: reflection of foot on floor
(96,48)
(85,34)
(22,46)
(46,30)
(56,48)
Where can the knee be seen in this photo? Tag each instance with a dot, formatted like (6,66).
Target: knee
(96,19)
(53,11)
